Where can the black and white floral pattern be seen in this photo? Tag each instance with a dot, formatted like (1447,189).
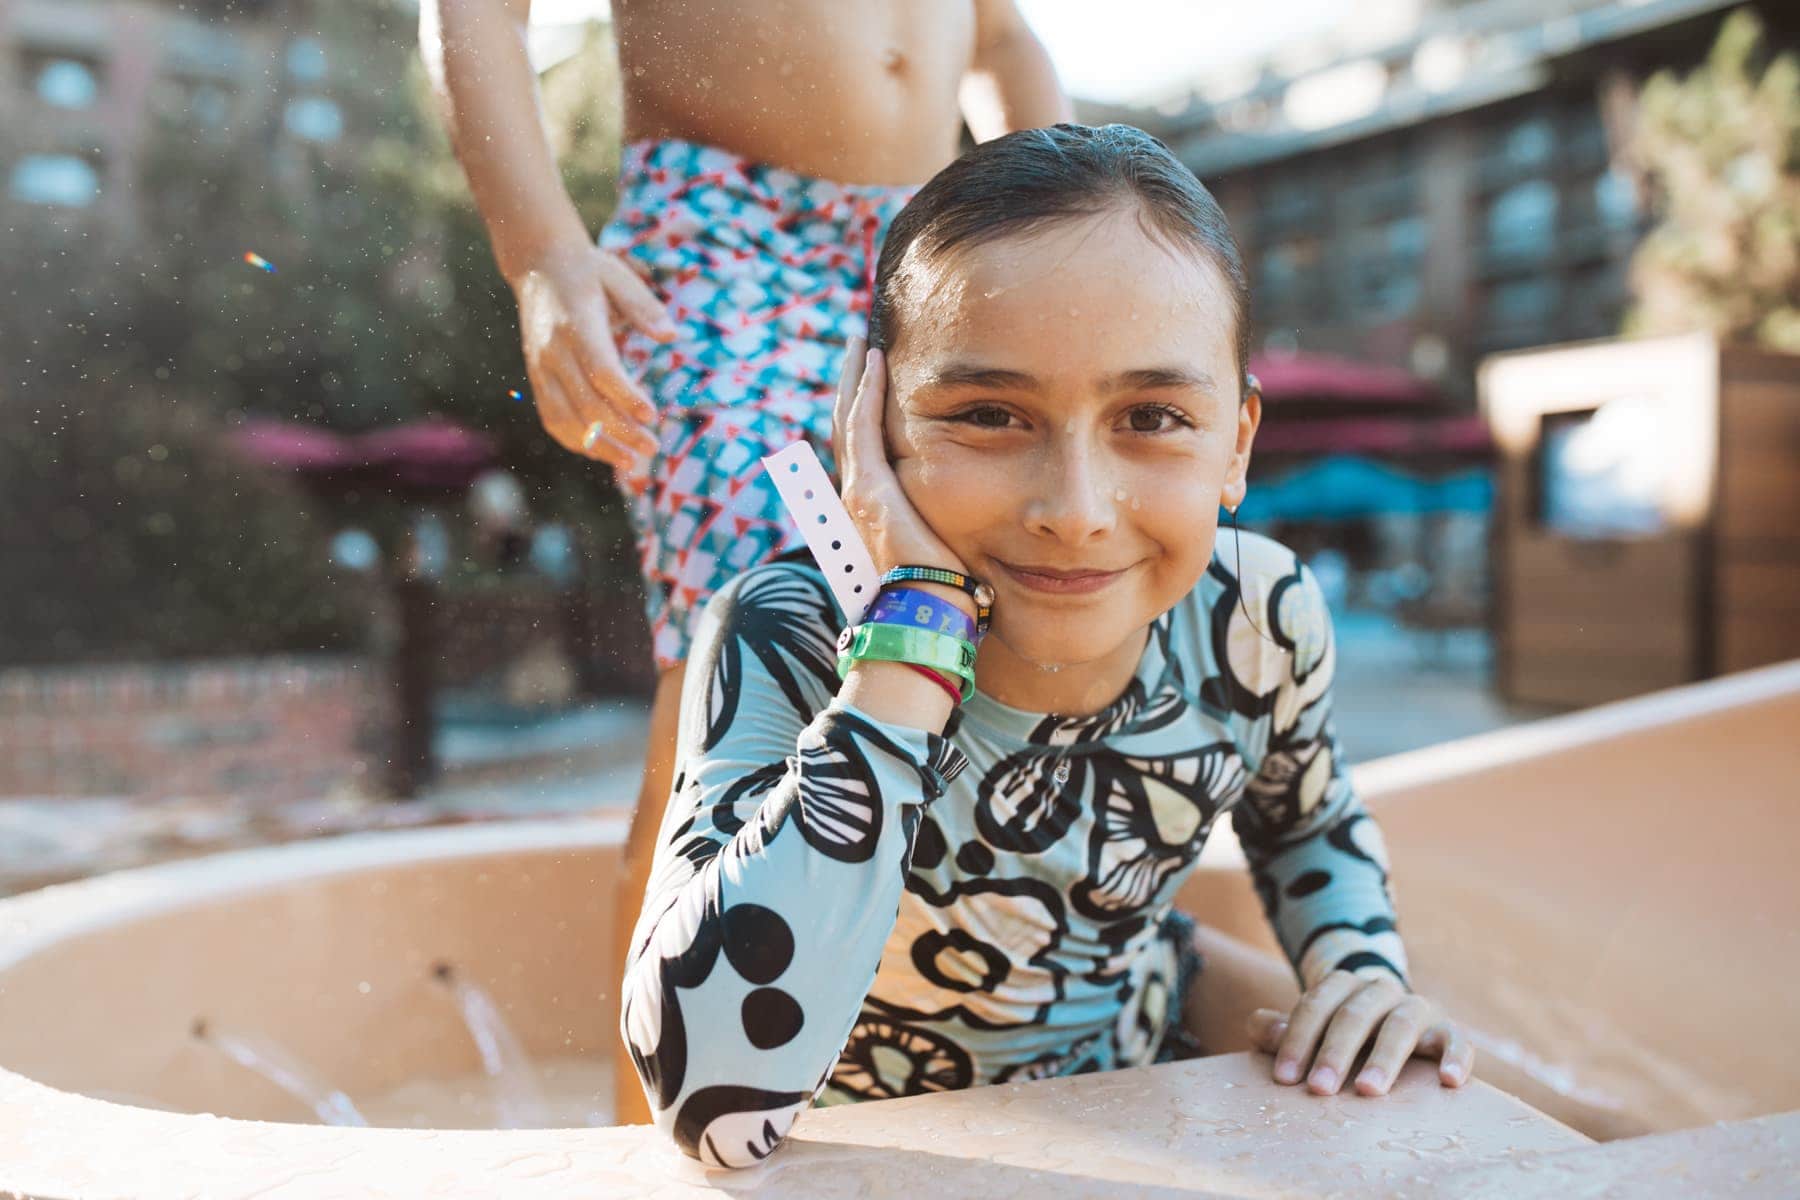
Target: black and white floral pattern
(846,909)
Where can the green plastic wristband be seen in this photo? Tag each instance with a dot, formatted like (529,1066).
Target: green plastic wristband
(901,643)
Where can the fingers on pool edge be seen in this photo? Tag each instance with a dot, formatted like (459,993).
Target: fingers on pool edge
(1454,1052)
(1265,1027)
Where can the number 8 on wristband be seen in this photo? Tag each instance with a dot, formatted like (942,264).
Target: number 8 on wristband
(981,593)
(898,643)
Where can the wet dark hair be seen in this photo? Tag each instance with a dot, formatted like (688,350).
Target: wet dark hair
(1026,180)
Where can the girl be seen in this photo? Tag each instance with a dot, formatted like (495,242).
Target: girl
(894,863)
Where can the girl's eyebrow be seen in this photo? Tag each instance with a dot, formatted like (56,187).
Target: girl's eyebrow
(1143,379)
(1147,378)
(971,376)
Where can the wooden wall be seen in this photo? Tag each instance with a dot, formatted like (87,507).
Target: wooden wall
(1582,621)
(1756,541)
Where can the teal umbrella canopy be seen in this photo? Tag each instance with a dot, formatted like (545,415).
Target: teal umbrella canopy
(1347,487)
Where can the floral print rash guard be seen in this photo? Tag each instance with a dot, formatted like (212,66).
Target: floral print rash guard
(845,909)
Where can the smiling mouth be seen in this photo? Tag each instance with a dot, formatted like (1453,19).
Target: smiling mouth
(1046,579)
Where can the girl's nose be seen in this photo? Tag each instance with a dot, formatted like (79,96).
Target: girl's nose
(1074,499)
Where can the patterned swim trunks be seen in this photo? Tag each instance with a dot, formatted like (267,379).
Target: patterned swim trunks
(766,275)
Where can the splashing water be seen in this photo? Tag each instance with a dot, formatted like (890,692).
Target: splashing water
(518,1100)
(265,1058)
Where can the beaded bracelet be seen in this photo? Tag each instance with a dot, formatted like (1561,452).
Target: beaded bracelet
(922,610)
(898,643)
(981,593)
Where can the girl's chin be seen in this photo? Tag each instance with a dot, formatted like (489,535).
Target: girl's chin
(1051,647)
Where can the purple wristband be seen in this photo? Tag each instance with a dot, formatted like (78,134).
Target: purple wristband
(921,610)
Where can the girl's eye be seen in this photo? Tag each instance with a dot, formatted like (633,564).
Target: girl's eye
(986,416)
(1145,418)
(1148,418)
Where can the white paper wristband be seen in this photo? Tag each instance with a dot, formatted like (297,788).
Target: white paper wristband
(804,487)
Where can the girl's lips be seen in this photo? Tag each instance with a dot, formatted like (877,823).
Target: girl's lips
(1060,586)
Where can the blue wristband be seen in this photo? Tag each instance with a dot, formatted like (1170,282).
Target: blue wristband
(921,610)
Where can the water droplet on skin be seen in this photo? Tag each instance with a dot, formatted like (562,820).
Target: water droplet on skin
(1136,504)
(1118,493)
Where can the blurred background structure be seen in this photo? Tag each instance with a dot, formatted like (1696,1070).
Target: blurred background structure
(282,553)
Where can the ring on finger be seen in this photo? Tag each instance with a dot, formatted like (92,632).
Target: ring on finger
(594,433)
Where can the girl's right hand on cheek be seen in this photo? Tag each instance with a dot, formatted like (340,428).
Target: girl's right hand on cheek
(891,528)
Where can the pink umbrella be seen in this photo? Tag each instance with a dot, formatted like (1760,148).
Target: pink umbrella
(290,446)
(1290,377)
(432,454)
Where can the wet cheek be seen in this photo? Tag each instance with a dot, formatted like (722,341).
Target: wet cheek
(951,492)
(932,467)
(1173,509)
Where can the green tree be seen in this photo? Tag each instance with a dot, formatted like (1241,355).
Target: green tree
(1721,146)
(127,359)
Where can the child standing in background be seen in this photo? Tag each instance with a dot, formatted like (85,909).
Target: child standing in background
(768,146)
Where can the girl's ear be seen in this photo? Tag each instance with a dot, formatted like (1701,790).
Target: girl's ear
(1238,468)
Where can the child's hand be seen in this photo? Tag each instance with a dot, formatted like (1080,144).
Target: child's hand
(569,309)
(1336,1020)
(891,528)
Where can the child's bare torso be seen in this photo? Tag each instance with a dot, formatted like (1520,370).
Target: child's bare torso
(859,91)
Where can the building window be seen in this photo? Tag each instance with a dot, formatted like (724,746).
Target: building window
(1616,200)
(1289,200)
(1602,473)
(195,102)
(1523,312)
(1529,144)
(306,59)
(1521,221)
(1405,237)
(1385,277)
(1524,149)
(1286,277)
(67,83)
(314,119)
(1585,145)
(62,180)
(209,105)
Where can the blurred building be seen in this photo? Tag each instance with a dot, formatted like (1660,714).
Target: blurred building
(1451,189)
(84,84)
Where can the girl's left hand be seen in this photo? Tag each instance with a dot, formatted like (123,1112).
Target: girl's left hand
(1337,1018)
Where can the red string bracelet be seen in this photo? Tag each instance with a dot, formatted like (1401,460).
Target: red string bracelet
(935,677)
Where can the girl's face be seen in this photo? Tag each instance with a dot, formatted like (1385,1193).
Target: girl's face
(1068,400)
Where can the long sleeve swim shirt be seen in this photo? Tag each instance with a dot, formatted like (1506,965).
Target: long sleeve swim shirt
(843,908)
